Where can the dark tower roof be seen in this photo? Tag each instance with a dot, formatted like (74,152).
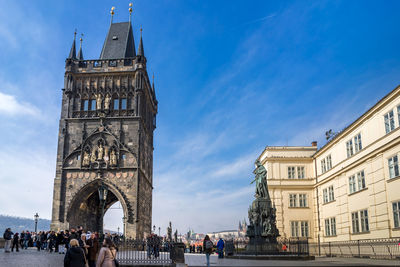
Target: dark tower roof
(140,48)
(80,53)
(119,42)
(72,53)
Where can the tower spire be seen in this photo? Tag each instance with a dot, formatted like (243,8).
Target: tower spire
(130,12)
(140,49)
(72,53)
(80,53)
(112,14)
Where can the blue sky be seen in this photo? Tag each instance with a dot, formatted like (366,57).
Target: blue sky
(231,78)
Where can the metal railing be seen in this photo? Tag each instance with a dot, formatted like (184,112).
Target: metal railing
(290,246)
(385,248)
(151,251)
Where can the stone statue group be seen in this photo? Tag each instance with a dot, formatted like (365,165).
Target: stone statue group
(100,153)
(99,101)
(262,215)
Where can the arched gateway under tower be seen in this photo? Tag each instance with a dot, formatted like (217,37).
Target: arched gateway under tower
(105,143)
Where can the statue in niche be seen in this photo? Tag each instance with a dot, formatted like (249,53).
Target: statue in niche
(93,155)
(98,101)
(113,158)
(107,101)
(106,158)
(86,159)
(100,152)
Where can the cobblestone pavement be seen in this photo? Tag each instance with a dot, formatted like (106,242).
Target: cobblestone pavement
(195,260)
(31,257)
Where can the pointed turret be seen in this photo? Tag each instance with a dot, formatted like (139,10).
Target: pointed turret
(80,53)
(141,49)
(72,53)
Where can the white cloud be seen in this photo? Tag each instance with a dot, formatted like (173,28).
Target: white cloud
(9,105)
(26,180)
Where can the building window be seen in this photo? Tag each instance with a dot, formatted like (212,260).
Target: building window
(361,180)
(360,218)
(93,104)
(323,166)
(299,228)
(295,228)
(357,143)
(353,146)
(123,103)
(389,121)
(349,146)
(331,193)
(355,222)
(291,172)
(330,226)
(116,104)
(359,185)
(325,191)
(352,184)
(396,214)
(303,200)
(398,113)
(301,173)
(364,221)
(328,162)
(85,105)
(393,167)
(292,200)
(304,229)
(298,200)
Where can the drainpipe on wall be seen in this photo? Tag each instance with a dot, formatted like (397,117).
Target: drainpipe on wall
(319,220)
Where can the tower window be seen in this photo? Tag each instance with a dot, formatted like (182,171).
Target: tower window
(116,104)
(85,105)
(93,104)
(123,103)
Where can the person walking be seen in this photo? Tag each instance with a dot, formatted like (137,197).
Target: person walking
(93,248)
(7,237)
(75,257)
(107,255)
(208,247)
(83,245)
(15,242)
(220,248)
(26,239)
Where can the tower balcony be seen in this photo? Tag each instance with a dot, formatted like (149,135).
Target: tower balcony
(105,65)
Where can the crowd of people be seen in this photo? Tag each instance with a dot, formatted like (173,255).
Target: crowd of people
(83,248)
(80,248)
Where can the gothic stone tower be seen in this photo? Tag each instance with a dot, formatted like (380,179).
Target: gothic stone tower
(108,116)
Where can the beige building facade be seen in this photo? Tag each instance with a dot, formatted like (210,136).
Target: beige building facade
(348,189)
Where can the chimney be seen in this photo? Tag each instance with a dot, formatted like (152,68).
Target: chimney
(314,143)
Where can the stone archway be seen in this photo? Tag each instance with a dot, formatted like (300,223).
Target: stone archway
(85,210)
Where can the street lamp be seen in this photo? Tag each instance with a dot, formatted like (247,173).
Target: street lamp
(154,229)
(103,190)
(36,216)
(159,231)
(124,221)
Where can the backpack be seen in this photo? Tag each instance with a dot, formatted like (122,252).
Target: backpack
(209,244)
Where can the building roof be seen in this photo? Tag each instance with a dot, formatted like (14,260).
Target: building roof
(119,42)
(358,120)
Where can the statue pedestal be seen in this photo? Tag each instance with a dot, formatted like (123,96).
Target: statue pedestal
(262,246)
(262,231)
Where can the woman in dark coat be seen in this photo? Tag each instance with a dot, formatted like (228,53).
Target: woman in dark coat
(75,257)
